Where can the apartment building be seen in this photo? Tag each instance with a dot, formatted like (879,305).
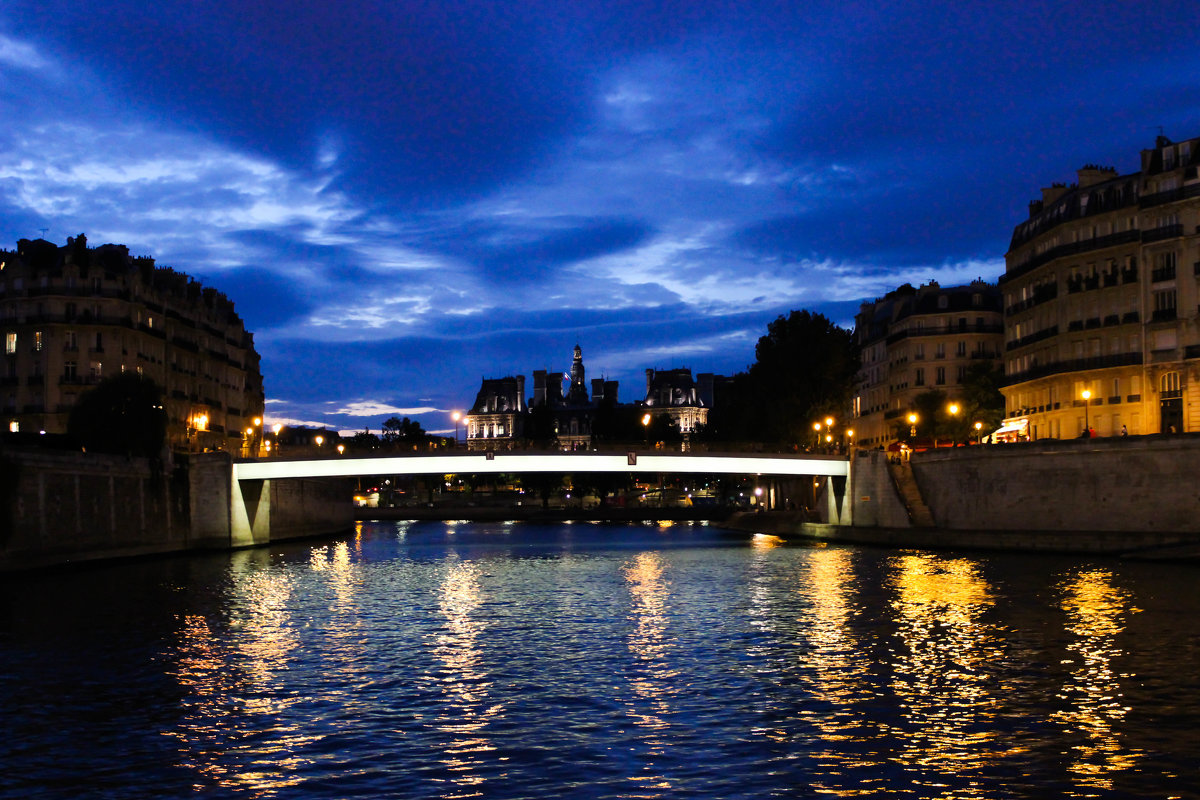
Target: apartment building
(72,315)
(914,340)
(1101,301)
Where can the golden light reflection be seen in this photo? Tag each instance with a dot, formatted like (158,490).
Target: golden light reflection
(939,674)
(838,676)
(231,681)
(1096,611)
(765,541)
(465,680)
(654,680)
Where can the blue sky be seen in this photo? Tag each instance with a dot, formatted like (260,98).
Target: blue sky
(404,197)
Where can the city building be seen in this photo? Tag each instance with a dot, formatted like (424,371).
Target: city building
(673,394)
(1101,302)
(496,419)
(916,340)
(72,315)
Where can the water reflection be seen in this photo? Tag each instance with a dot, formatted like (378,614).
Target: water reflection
(466,684)
(232,677)
(939,673)
(1096,610)
(838,679)
(653,676)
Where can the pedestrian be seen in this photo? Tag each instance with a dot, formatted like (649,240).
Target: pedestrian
(1124,431)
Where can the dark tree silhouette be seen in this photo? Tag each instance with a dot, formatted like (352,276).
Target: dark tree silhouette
(804,368)
(122,414)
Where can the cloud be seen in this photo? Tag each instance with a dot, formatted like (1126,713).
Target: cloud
(373,408)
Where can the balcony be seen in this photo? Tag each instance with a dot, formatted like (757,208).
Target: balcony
(1070,249)
(1074,365)
(1165,232)
(1169,196)
(1163,315)
(1163,274)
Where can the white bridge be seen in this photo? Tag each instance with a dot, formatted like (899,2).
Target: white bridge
(502,462)
(253,501)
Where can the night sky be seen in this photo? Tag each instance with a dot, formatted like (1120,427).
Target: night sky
(404,197)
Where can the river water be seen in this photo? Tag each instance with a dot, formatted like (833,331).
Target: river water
(426,660)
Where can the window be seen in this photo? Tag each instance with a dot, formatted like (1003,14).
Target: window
(919,355)
(962,349)
(941,376)
(1168,384)
(96,369)
(1164,305)
(962,374)
(14,427)
(69,370)
(69,341)
(920,379)
(37,341)
(10,342)
(941,350)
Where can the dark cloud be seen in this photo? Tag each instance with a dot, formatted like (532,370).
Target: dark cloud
(263,298)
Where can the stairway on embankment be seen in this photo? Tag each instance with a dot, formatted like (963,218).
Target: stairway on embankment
(906,484)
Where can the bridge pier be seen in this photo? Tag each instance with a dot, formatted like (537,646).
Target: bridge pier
(249,512)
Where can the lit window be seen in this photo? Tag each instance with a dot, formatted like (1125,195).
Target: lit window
(14,427)
(10,342)
(37,340)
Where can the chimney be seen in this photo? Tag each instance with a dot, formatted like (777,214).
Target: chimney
(1053,192)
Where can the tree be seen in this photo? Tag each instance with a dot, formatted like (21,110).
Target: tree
(804,369)
(981,397)
(364,441)
(402,431)
(122,414)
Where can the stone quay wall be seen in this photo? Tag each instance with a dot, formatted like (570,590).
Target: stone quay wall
(59,507)
(1145,484)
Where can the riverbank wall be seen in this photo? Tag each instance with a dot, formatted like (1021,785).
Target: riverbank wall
(1133,496)
(64,507)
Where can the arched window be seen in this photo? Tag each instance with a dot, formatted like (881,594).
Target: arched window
(1168,385)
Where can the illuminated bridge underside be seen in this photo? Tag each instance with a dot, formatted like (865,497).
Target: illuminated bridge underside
(479,463)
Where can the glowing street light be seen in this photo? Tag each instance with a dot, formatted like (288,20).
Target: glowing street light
(912,425)
(978,433)
(320,440)
(1086,394)
(953,409)
(341,449)
(817,432)
(456,416)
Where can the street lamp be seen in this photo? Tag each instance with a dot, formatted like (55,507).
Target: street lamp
(341,449)
(1086,394)
(912,426)
(978,433)
(456,416)
(277,428)
(320,440)
(817,430)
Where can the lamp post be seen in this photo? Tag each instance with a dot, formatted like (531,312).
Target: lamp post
(456,416)
(1086,394)
(978,433)
(646,429)
(912,426)
(277,428)
(817,439)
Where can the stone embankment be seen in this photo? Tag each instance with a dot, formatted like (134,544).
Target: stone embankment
(1134,497)
(63,507)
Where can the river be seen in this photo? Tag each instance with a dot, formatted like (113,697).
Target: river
(433,660)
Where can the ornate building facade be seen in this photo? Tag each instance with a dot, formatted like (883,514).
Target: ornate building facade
(72,315)
(916,340)
(496,419)
(1102,301)
(673,394)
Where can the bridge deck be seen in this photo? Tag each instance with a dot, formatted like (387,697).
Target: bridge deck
(482,463)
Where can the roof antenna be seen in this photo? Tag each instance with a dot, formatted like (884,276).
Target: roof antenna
(43,230)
